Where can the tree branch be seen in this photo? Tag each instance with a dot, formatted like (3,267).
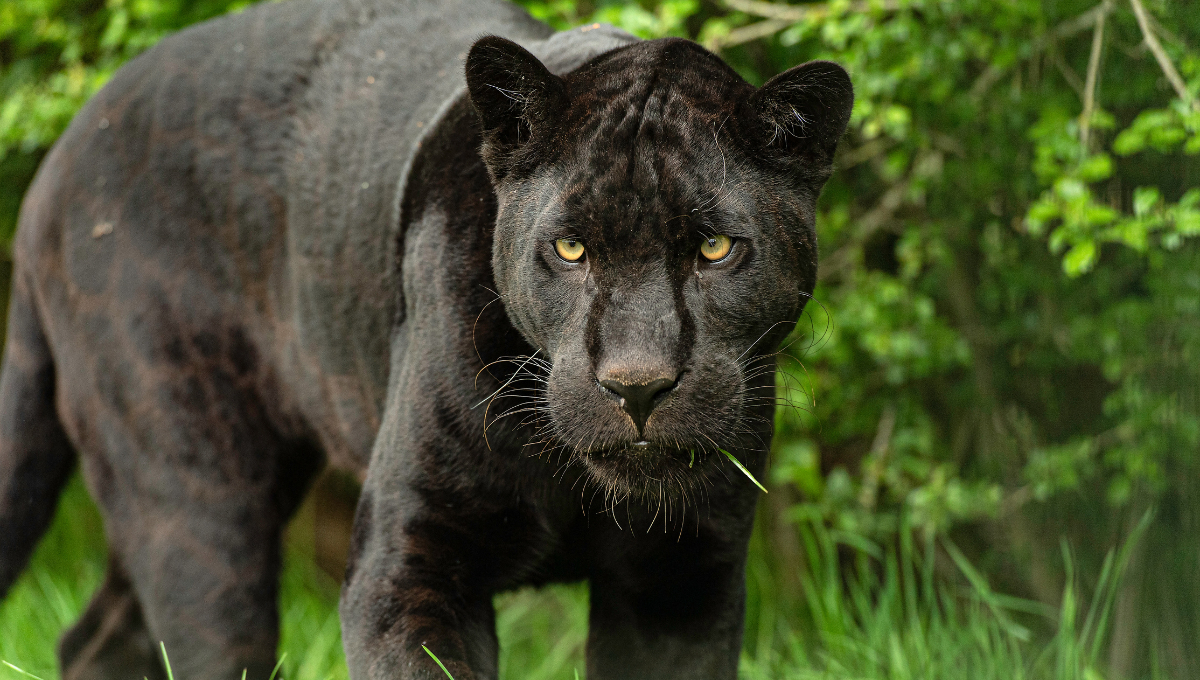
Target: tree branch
(1164,61)
(1069,74)
(843,258)
(878,458)
(778,17)
(1065,30)
(794,13)
(748,33)
(1093,74)
(848,158)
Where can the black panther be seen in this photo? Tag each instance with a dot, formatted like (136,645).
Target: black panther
(527,287)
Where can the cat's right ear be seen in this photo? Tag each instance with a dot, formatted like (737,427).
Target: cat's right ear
(518,100)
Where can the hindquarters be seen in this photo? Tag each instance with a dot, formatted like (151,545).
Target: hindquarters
(157,377)
(142,335)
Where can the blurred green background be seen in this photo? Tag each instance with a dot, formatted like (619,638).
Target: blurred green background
(986,463)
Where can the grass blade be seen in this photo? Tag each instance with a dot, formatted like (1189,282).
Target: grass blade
(166,662)
(741,467)
(278,665)
(983,591)
(31,675)
(1108,597)
(437,661)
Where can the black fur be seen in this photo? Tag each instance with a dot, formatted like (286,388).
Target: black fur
(291,238)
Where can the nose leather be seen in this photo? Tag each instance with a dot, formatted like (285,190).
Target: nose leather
(639,399)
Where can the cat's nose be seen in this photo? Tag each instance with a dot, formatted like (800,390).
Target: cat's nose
(638,399)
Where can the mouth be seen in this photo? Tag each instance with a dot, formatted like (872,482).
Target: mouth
(645,448)
(642,449)
(640,463)
(669,484)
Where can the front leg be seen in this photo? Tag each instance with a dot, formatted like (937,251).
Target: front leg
(439,529)
(442,525)
(414,579)
(673,609)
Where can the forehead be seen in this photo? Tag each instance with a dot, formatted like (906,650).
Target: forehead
(650,143)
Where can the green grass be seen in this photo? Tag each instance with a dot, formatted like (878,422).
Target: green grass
(310,639)
(542,632)
(890,616)
(67,566)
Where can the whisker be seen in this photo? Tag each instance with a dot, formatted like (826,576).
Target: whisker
(493,394)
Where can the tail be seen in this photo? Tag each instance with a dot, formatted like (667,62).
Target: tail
(35,456)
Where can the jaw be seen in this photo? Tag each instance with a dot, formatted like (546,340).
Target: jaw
(648,475)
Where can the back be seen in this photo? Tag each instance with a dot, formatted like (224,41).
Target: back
(233,191)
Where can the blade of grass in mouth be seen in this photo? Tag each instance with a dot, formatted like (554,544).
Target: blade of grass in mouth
(437,661)
(741,467)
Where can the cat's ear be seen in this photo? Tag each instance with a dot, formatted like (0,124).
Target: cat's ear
(518,100)
(805,109)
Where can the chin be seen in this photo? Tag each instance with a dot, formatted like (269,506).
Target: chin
(647,474)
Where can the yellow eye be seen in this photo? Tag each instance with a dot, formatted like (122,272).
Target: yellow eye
(569,249)
(715,248)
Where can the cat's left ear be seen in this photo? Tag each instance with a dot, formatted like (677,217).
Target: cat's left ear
(518,100)
(804,110)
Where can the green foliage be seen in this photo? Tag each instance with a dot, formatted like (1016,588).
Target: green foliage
(310,633)
(1004,342)
(543,632)
(883,611)
(890,616)
(645,20)
(1082,222)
